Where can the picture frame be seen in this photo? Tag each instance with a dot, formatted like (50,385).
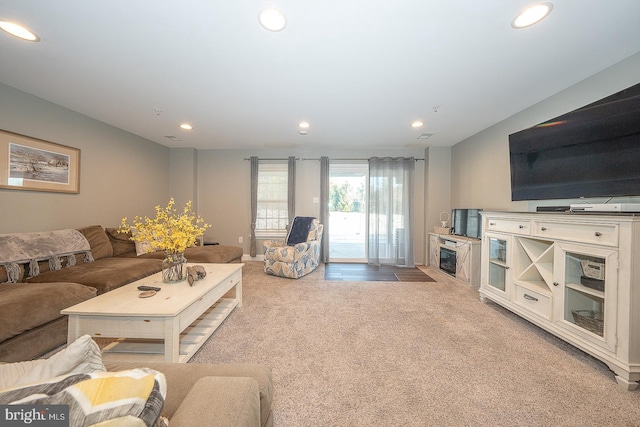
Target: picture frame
(34,164)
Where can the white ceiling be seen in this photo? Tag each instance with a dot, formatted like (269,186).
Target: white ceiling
(358,71)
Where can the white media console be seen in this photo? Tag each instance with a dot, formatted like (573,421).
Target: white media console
(458,256)
(572,274)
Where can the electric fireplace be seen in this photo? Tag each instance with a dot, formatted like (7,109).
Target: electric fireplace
(448,261)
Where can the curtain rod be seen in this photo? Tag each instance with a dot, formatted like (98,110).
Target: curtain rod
(263,158)
(349,159)
(303,159)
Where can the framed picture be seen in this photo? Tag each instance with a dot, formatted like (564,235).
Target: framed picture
(34,164)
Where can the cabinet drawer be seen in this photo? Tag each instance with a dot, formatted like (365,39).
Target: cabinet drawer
(509,226)
(600,234)
(533,301)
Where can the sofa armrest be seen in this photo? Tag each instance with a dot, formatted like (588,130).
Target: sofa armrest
(220,402)
(182,376)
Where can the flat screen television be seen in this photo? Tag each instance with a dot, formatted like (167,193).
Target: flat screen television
(466,222)
(590,152)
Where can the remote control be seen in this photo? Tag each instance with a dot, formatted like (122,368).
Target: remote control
(148,288)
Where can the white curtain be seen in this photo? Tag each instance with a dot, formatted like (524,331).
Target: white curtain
(391,182)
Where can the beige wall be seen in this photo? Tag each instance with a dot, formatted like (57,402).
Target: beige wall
(183,176)
(225,189)
(120,173)
(480,165)
(437,186)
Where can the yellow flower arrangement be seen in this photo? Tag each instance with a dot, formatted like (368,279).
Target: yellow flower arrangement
(169,231)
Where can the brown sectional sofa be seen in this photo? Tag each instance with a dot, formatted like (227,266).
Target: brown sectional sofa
(30,319)
(197,393)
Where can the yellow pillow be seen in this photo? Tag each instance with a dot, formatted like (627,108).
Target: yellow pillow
(126,398)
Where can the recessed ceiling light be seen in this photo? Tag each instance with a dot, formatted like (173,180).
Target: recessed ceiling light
(304,125)
(272,19)
(18,31)
(532,15)
(186,126)
(417,124)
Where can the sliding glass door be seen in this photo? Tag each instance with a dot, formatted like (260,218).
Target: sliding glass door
(348,212)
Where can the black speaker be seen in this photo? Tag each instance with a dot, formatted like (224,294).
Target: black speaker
(553,208)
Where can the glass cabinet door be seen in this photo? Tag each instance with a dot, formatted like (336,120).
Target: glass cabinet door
(497,262)
(589,291)
(584,292)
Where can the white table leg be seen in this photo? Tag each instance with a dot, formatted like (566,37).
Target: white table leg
(172,340)
(73,329)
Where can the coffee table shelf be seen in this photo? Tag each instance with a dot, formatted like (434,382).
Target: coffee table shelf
(191,339)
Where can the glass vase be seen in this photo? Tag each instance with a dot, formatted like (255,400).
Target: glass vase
(174,268)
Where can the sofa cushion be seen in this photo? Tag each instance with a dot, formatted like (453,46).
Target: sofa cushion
(213,253)
(105,274)
(26,306)
(80,357)
(35,342)
(227,400)
(98,240)
(217,254)
(121,242)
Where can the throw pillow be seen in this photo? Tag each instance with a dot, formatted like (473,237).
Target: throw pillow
(121,242)
(81,356)
(299,230)
(98,240)
(126,398)
(143,246)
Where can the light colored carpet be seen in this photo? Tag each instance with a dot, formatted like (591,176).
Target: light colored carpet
(410,354)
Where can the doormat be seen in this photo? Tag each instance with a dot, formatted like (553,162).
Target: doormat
(414,276)
(371,273)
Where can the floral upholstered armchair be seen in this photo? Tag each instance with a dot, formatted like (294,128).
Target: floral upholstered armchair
(297,254)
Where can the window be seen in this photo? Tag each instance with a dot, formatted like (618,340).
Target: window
(272,215)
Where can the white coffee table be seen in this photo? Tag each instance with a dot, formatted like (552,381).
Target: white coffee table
(169,326)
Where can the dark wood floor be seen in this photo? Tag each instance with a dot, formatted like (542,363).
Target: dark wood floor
(372,273)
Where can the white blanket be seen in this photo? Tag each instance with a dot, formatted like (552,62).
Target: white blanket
(21,248)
